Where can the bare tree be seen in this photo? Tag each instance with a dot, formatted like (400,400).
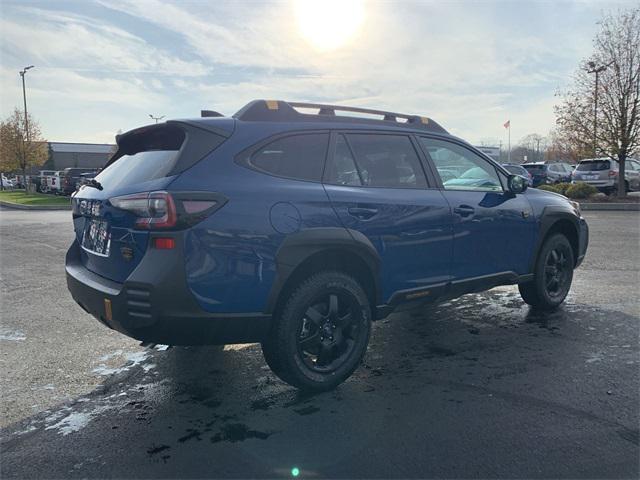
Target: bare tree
(560,147)
(16,153)
(613,131)
(533,146)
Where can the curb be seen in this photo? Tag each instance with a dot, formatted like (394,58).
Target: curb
(18,206)
(628,207)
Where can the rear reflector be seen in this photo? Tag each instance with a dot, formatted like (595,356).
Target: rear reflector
(164,243)
(108,313)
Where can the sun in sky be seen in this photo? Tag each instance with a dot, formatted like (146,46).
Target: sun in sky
(329,24)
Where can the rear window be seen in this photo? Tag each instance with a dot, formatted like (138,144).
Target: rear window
(535,168)
(144,156)
(594,165)
(300,157)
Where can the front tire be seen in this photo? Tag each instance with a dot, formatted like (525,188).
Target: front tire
(321,334)
(553,274)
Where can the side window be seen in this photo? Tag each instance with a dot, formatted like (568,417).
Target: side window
(460,168)
(298,156)
(342,169)
(386,161)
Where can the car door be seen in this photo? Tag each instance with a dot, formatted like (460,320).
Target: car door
(377,185)
(493,229)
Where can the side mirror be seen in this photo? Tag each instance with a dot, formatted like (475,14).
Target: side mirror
(517,184)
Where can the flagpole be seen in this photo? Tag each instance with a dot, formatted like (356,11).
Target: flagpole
(509,155)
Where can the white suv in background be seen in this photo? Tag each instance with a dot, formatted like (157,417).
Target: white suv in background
(602,173)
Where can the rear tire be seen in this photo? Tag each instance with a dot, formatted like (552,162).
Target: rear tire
(553,274)
(321,333)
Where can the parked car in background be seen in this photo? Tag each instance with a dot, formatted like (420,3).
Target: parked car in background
(7,183)
(54,183)
(85,178)
(17,181)
(519,170)
(297,230)
(602,173)
(71,176)
(42,180)
(549,172)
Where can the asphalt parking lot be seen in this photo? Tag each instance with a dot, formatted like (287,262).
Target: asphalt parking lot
(479,387)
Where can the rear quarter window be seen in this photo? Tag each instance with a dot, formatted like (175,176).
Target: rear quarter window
(300,156)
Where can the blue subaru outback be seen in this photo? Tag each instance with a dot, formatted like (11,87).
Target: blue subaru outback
(296,226)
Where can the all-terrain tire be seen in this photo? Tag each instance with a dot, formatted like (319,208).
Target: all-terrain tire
(314,312)
(553,274)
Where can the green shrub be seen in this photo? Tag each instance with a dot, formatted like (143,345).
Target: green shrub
(562,188)
(581,190)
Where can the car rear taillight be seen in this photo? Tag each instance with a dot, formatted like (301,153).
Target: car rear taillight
(613,173)
(164,210)
(154,209)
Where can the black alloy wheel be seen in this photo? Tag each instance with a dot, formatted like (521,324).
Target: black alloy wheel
(320,334)
(329,331)
(552,274)
(557,272)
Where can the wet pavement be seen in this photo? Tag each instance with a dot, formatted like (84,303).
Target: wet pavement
(478,387)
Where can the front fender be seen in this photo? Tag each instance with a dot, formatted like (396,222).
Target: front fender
(559,218)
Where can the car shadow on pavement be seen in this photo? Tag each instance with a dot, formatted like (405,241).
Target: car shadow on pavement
(444,380)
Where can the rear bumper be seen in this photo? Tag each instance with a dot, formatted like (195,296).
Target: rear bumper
(154,304)
(600,184)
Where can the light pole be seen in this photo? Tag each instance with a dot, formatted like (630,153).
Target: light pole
(26,127)
(593,68)
(157,119)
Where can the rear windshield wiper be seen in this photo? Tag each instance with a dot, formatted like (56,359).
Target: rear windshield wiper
(94,183)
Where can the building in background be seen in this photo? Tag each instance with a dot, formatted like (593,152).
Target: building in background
(78,155)
(492,152)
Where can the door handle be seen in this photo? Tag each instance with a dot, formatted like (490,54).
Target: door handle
(464,210)
(362,213)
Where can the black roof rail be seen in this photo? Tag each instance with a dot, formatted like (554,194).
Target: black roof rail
(282,111)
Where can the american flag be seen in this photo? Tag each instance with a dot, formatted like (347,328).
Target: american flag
(507,124)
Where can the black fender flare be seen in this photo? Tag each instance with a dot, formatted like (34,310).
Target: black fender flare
(551,215)
(298,247)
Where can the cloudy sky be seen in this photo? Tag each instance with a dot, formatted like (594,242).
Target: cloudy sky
(105,65)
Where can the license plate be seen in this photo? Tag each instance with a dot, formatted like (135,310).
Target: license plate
(97,238)
(590,177)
